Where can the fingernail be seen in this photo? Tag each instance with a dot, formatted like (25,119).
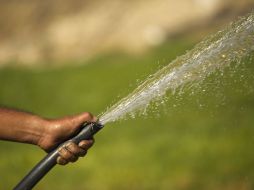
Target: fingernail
(82,143)
(61,161)
(95,119)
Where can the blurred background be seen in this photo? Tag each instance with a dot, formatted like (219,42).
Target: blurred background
(65,57)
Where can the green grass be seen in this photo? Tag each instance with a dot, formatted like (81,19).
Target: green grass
(204,142)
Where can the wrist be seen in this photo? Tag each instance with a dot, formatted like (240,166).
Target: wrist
(47,139)
(39,131)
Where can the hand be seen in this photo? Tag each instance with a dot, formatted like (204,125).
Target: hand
(59,130)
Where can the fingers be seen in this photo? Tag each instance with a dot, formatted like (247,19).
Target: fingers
(66,154)
(76,150)
(61,161)
(71,151)
(86,144)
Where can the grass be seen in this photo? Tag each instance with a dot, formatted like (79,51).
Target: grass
(201,141)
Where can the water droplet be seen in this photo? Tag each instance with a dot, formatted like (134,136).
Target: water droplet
(214,54)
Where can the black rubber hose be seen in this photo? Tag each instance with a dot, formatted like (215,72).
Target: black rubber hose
(49,161)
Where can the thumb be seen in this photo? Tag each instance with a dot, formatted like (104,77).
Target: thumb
(79,119)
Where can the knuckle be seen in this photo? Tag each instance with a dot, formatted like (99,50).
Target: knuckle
(63,152)
(72,147)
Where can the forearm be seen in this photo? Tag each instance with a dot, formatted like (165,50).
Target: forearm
(21,126)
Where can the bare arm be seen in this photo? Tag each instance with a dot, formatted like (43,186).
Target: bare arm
(21,127)
(29,128)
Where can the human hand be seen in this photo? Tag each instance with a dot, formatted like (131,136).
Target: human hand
(60,130)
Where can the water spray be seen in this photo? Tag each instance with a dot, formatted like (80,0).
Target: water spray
(49,161)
